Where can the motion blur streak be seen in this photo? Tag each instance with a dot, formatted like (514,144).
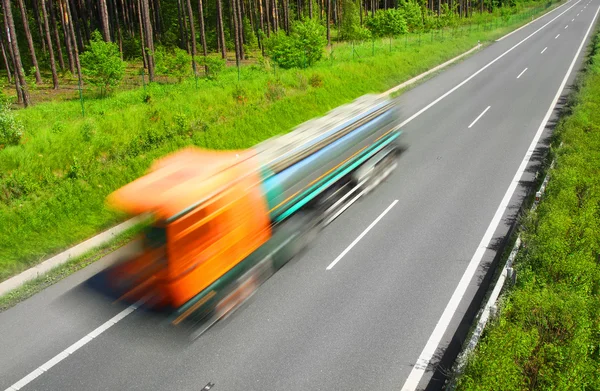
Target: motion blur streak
(224,221)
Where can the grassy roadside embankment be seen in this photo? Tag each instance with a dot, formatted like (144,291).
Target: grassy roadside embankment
(547,336)
(53,185)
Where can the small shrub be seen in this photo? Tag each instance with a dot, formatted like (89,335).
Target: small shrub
(57,127)
(11,129)
(75,171)
(214,66)
(87,131)
(239,94)
(350,28)
(181,123)
(387,23)
(16,185)
(177,63)
(303,47)
(302,81)
(275,91)
(412,15)
(315,80)
(30,79)
(101,63)
(198,126)
(180,64)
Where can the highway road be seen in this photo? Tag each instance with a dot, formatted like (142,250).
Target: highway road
(383,291)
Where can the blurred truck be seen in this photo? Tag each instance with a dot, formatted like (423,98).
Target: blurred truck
(225,221)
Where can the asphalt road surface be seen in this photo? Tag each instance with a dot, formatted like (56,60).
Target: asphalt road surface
(396,298)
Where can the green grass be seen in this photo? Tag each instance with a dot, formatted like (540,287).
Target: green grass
(54,184)
(36,285)
(547,336)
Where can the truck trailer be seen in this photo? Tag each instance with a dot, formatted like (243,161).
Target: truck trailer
(224,221)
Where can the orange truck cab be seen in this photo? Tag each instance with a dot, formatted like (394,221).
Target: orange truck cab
(209,213)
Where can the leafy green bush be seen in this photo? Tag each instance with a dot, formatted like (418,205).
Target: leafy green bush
(214,66)
(350,28)
(412,15)
(387,23)
(11,129)
(177,63)
(101,63)
(303,47)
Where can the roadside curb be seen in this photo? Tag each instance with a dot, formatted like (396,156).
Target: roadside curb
(64,257)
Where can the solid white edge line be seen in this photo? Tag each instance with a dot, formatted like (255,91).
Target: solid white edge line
(521,74)
(478,117)
(566,26)
(557,36)
(422,363)
(544,50)
(418,113)
(533,21)
(332,264)
(71,349)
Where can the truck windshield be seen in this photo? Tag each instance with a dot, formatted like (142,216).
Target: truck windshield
(156,236)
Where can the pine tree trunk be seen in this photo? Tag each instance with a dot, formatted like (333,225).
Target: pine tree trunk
(67,36)
(268,17)
(138,10)
(233,9)
(8,72)
(202,31)
(220,29)
(261,15)
(61,61)
(241,27)
(277,19)
(310,9)
(180,23)
(21,85)
(38,77)
(75,23)
(186,41)
(71,30)
(158,16)
(36,15)
(85,15)
(11,57)
(104,20)
(149,38)
(118,23)
(286,15)
(328,21)
(193,31)
(360,11)
(50,47)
